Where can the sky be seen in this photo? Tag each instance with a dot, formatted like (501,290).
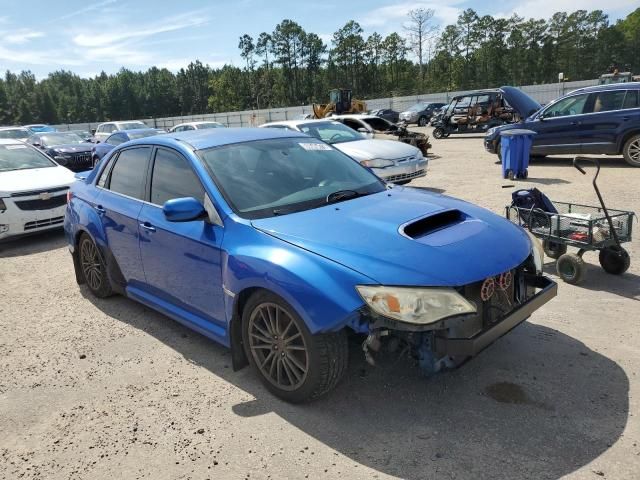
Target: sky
(90,36)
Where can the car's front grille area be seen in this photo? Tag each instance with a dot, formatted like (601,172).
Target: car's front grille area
(42,204)
(43,223)
(405,176)
(79,161)
(501,301)
(31,193)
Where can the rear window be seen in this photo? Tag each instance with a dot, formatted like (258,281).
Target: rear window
(14,133)
(607,101)
(631,99)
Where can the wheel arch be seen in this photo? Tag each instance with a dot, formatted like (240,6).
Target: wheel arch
(114,272)
(625,138)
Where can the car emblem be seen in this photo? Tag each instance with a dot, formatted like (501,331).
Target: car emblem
(487,289)
(45,196)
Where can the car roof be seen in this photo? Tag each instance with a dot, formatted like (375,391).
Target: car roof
(295,123)
(121,121)
(11,141)
(611,86)
(216,137)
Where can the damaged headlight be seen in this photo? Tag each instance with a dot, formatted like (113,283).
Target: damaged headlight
(420,306)
(537,252)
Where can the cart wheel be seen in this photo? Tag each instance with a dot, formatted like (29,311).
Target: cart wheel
(438,133)
(553,249)
(614,260)
(570,268)
(525,174)
(511,175)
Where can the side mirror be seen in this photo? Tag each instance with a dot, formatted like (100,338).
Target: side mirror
(183,210)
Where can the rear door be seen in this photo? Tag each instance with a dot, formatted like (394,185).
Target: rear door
(601,128)
(182,260)
(119,204)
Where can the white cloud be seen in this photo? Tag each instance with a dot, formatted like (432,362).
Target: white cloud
(546,8)
(35,57)
(21,36)
(391,17)
(113,36)
(88,9)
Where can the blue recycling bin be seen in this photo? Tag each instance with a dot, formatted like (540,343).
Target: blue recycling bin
(515,146)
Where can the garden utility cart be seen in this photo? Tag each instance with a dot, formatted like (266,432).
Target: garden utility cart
(561,224)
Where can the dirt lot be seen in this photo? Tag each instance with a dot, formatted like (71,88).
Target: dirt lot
(109,389)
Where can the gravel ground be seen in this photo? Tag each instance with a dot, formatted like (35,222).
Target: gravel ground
(110,389)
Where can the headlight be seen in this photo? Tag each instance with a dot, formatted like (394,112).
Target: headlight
(377,163)
(421,306)
(537,252)
(61,159)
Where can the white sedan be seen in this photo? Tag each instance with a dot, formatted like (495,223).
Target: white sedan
(33,190)
(185,127)
(393,161)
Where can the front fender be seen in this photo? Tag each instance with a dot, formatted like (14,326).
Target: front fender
(320,290)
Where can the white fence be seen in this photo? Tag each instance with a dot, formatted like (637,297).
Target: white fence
(252,118)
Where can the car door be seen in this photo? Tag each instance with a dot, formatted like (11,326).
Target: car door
(119,204)
(600,129)
(558,126)
(182,260)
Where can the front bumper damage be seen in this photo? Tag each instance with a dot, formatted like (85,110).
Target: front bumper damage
(450,342)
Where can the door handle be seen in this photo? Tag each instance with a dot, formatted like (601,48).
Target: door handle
(148,227)
(626,119)
(100,210)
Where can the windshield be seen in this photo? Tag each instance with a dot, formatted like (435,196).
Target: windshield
(14,133)
(418,107)
(22,157)
(131,125)
(209,125)
(55,139)
(274,177)
(330,132)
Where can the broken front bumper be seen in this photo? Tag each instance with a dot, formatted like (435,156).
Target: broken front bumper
(469,347)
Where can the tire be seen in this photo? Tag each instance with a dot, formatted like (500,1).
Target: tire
(553,249)
(93,267)
(422,121)
(308,366)
(570,268)
(631,151)
(438,132)
(511,175)
(614,260)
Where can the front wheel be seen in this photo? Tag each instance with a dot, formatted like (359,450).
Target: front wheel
(292,363)
(614,260)
(570,268)
(422,121)
(438,132)
(631,151)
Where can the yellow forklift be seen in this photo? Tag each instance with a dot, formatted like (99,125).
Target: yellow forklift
(340,102)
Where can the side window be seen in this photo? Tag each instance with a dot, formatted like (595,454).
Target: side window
(130,171)
(352,123)
(607,101)
(100,129)
(179,129)
(115,139)
(631,99)
(104,175)
(173,178)
(568,106)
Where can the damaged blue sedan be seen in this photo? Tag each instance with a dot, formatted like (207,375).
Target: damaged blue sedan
(278,246)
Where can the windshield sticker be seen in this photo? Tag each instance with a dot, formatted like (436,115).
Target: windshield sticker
(14,147)
(314,146)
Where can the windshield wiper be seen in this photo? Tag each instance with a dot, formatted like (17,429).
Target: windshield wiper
(341,195)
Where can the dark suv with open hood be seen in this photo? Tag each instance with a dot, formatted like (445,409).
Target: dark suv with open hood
(603,119)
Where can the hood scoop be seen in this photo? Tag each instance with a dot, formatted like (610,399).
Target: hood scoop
(433,223)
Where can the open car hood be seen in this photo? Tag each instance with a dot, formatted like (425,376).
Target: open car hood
(520,101)
(406,236)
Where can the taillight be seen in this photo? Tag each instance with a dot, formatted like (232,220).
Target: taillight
(69,196)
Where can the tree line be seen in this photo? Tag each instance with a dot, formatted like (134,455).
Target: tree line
(290,66)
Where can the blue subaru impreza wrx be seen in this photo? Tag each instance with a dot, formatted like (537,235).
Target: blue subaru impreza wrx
(277,245)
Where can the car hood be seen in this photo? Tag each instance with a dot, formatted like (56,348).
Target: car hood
(72,148)
(376,148)
(406,236)
(34,179)
(520,101)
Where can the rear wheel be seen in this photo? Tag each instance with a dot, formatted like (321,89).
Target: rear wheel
(93,268)
(553,249)
(570,268)
(438,132)
(614,260)
(631,151)
(291,362)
